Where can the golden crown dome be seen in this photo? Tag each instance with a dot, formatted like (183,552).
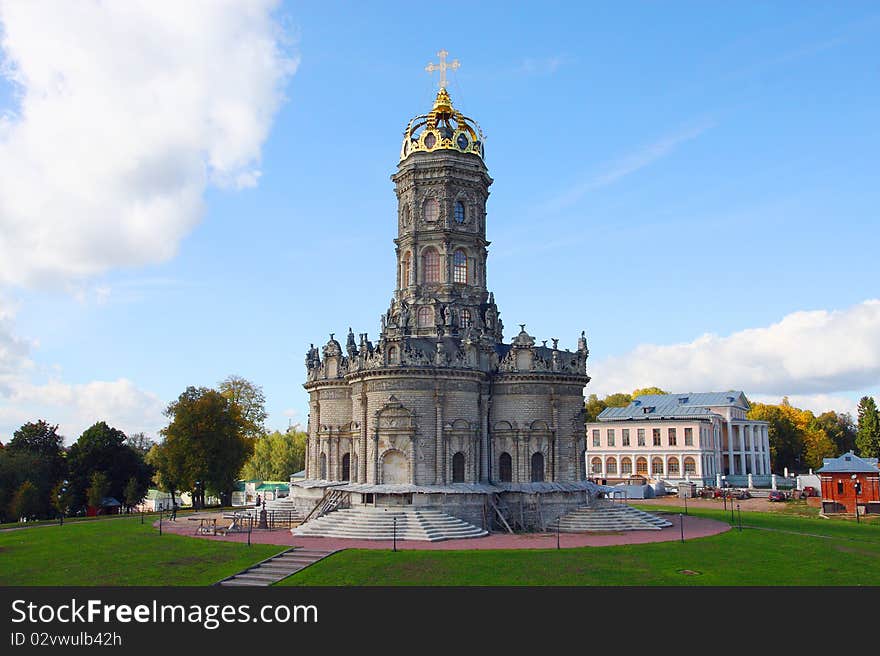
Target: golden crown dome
(443,128)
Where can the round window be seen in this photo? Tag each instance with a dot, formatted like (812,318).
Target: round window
(462,142)
(430,140)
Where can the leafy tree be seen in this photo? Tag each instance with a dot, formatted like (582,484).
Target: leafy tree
(34,454)
(868,435)
(61,497)
(593,407)
(276,456)
(26,501)
(99,488)
(644,391)
(250,402)
(140,443)
(204,444)
(840,428)
(618,400)
(102,448)
(134,492)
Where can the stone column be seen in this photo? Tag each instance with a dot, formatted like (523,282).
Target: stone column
(438,439)
(730,462)
(764,430)
(484,434)
(516,454)
(751,432)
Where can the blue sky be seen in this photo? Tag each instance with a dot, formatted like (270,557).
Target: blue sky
(667,176)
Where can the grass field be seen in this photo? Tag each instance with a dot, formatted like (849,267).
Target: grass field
(779,550)
(118,552)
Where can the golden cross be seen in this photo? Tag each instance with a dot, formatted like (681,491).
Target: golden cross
(442,67)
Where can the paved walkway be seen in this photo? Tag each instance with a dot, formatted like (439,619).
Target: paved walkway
(694,527)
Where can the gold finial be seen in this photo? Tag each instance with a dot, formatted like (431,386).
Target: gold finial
(442,67)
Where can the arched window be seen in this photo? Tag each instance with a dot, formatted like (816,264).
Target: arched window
(346,467)
(611,466)
(392,355)
(431,209)
(430,265)
(406,267)
(672,466)
(626,467)
(596,465)
(459,267)
(505,468)
(690,466)
(426,316)
(465,318)
(458,468)
(642,466)
(537,467)
(656,467)
(459,212)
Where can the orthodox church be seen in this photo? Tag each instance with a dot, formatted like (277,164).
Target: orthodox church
(439,410)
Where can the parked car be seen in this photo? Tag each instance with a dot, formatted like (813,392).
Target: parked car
(776,495)
(742,494)
(810,491)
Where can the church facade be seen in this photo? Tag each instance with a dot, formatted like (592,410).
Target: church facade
(439,405)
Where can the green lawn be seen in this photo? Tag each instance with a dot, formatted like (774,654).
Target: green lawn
(781,550)
(118,552)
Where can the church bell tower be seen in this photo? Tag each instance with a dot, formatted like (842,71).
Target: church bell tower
(442,186)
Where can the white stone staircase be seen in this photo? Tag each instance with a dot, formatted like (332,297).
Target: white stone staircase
(609,517)
(370,523)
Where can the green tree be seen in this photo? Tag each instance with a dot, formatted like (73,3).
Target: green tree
(644,391)
(102,448)
(140,443)
(840,428)
(26,501)
(593,407)
(868,434)
(34,454)
(618,400)
(276,456)
(250,402)
(99,488)
(134,492)
(205,446)
(61,497)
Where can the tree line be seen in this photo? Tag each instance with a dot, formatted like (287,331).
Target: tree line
(214,437)
(799,439)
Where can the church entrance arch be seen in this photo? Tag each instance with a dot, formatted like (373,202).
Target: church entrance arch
(346,467)
(537,467)
(505,468)
(394,468)
(458,462)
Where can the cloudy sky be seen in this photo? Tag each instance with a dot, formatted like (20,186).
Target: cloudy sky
(194,189)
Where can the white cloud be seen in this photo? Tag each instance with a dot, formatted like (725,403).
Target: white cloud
(74,407)
(127,111)
(808,355)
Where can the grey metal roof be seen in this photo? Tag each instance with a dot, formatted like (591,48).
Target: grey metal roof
(672,406)
(848,462)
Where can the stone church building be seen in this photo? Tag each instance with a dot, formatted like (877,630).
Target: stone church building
(438,410)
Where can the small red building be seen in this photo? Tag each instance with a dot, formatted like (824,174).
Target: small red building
(850,481)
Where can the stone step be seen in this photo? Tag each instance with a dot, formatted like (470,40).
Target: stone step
(370,523)
(610,517)
(276,568)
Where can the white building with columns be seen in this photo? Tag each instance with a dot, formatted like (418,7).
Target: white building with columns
(689,436)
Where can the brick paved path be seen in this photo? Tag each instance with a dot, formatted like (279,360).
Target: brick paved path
(694,527)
